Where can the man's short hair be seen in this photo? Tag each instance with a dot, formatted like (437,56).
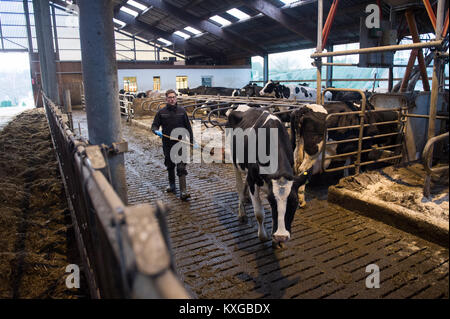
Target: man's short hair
(170,91)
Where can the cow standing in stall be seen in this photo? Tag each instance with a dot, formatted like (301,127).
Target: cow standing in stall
(308,127)
(274,176)
(251,90)
(291,92)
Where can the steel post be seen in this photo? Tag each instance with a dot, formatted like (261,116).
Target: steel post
(318,60)
(46,49)
(434,92)
(266,68)
(101,83)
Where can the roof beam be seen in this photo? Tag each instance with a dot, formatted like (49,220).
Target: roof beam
(150,32)
(282,18)
(205,25)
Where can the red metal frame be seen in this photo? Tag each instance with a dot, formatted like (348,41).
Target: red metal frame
(445,29)
(329,22)
(430,13)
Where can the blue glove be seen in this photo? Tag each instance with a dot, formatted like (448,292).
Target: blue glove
(159,133)
(196,146)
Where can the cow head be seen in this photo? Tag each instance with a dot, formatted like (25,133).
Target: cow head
(269,89)
(283,199)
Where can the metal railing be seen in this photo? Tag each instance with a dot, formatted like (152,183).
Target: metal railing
(125,250)
(362,114)
(426,160)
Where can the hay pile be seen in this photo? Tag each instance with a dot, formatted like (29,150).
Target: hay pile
(37,241)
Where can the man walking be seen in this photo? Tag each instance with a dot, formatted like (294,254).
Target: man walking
(169,118)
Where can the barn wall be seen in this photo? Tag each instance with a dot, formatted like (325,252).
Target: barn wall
(227,77)
(69,74)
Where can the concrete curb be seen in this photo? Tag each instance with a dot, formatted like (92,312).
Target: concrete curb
(391,214)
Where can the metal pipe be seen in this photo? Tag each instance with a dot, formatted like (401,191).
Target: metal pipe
(399,47)
(266,68)
(430,13)
(318,60)
(46,49)
(427,153)
(328,28)
(338,64)
(440,19)
(434,93)
(445,29)
(101,84)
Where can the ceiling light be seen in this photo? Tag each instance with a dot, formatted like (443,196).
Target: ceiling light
(129,11)
(136,5)
(220,20)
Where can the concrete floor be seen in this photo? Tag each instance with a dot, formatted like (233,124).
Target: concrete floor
(327,256)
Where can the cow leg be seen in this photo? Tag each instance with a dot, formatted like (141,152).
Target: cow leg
(301,196)
(242,216)
(259,211)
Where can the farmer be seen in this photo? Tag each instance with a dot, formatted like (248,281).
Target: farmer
(169,118)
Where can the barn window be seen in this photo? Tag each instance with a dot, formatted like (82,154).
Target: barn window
(156,83)
(182,82)
(130,84)
(207,80)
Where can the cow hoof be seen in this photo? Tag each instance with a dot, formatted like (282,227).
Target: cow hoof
(243,219)
(302,205)
(278,245)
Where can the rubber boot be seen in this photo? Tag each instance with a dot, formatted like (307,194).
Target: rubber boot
(171,188)
(183,193)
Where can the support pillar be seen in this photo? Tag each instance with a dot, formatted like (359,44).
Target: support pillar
(266,68)
(101,84)
(329,82)
(46,49)
(434,91)
(318,61)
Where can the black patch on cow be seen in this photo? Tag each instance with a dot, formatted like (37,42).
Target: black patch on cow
(297,89)
(304,91)
(286,92)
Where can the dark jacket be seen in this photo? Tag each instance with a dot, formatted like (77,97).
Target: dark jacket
(171,117)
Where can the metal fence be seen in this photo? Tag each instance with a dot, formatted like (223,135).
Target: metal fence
(125,250)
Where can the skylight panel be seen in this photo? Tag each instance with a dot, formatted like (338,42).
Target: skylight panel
(182,34)
(166,42)
(192,30)
(238,14)
(129,11)
(121,23)
(223,22)
(137,5)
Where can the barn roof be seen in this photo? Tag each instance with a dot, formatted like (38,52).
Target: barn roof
(272,26)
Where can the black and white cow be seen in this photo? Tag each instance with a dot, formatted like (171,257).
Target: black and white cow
(291,92)
(205,90)
(308,127)
(251,89)
(280,184)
